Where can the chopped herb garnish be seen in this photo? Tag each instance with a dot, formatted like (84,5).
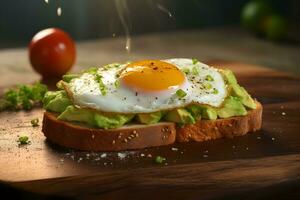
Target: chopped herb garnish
(180,93)
(102,87)
(35,122)
(23,97)
(207,86)
(92,70)
(209,78)
(186,70)
(159,159)
(215,91)
(68,77)
(23,140)
(117,83)
(109,66)
(194,61)
(195,70)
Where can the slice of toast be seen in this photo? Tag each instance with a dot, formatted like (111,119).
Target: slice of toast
(137,136)
(79,136)
(204,130)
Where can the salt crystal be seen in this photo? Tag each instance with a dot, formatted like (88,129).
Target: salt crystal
(121,155)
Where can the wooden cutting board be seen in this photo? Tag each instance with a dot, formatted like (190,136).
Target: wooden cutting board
(267,162)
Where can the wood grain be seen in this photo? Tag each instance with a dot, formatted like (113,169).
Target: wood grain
(205,180)
(261,161)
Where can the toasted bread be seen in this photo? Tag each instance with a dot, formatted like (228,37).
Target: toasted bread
(204,130)
(137,136)
(79,136)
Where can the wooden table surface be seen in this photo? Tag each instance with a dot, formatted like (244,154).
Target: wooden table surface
(265,164)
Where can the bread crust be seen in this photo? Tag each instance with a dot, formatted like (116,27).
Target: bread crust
(79,136)
(204,130)
(128,137)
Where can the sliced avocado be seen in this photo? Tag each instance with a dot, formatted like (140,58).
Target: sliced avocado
(195,110)
(180,115)
(93,118)
(239,91)
(149,118)
(112,121)
(206,112)
(209,112)
(232,106)
(56,101)
(229,76)
(72,113)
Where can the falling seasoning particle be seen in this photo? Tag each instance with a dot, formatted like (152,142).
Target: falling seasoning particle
(258,138)
(59,11)
(61,160)
(283,113)
(174,149)
(103,155)
(205,156)
(273,139)
(247,148)
(46,1)
(233,146)
(121,155)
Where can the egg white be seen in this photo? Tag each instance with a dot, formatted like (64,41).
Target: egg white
(85,90)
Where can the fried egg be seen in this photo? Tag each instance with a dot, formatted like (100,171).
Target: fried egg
(148,86)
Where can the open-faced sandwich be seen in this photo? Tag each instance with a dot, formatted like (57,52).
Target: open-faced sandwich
(148,103)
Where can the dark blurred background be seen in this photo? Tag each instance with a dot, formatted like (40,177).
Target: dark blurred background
(88,19)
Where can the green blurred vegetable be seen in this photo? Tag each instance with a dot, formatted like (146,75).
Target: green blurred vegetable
(258,16)
(253,13)
(23,97)
(275,27)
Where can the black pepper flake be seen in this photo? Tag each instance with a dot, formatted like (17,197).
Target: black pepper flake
(136,93)
(155,68)
(151,63)
(156,98)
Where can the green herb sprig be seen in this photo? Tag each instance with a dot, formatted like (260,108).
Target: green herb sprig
(160,159)
(102,87)
(23,97)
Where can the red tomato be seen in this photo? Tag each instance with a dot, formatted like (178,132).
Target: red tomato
(52,52)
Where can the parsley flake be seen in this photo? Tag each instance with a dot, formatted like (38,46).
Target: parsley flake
(159,159)
(102,87)
(195,70)
(195,61)
(23,140)
(209,78)
(180,93)
(186,70)
(117,83)
(35,122)
(207,86)
(215,91)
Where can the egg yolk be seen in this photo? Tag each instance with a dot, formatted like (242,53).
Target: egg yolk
(152,75)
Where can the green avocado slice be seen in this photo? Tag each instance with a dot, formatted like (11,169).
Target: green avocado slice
(232,106)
